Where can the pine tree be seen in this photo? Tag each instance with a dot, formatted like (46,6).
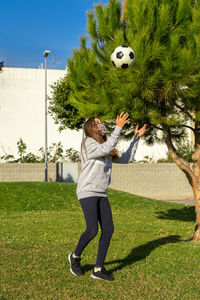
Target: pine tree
(161,89)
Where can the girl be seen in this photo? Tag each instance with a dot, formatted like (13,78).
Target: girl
(97,153)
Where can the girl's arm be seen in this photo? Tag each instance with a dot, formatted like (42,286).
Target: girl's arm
(96,150)
(126,157)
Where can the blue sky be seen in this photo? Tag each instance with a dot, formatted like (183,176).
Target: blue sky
(28,27)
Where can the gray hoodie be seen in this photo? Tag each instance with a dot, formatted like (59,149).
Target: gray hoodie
(96,164)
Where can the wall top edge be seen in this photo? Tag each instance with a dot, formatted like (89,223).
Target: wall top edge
(16,68)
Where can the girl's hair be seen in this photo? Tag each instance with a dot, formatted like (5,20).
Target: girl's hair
(90,130)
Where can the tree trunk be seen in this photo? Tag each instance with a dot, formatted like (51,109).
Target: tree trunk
(196,187)
(196,190)
(193,176)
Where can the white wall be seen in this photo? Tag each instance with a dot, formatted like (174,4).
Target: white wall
(22,104)
(154,152)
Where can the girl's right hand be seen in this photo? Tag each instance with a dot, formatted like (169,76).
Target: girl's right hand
(122,119)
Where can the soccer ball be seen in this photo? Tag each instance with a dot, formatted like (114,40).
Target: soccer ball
(123,57)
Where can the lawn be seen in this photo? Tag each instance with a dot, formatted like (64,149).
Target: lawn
(151,255)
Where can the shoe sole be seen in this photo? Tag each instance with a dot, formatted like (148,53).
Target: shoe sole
(92,276)
(70,265)
(98,278)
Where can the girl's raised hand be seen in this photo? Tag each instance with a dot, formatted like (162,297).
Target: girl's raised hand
(141,131)
(122,119)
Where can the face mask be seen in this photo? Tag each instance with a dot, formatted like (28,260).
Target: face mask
(101,128)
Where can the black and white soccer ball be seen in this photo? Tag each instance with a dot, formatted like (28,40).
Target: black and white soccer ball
(123,57)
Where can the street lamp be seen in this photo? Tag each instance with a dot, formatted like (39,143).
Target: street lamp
(45,54)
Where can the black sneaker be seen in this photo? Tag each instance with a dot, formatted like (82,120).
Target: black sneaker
(102,275)
(75,267)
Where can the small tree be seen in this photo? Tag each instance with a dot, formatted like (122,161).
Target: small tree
(1,65)
(63,113)
(21,149)
(161,89)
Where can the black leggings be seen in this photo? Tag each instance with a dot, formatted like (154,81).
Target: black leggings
(96,209)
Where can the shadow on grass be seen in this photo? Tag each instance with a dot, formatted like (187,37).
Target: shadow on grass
(138,253)
(142,252)
(184,214)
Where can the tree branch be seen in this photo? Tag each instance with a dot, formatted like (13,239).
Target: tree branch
(186,112)
(179,161)
(197,134)
(187,126)
(156,127)
(111,38)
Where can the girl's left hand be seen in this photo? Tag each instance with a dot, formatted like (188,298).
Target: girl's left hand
(141,131)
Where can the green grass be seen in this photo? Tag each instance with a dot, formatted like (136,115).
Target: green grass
(151,253)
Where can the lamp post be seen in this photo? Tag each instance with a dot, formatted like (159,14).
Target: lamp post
(45,54)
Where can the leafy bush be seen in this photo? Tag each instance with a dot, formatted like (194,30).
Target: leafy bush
(55,154)
(72,155)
